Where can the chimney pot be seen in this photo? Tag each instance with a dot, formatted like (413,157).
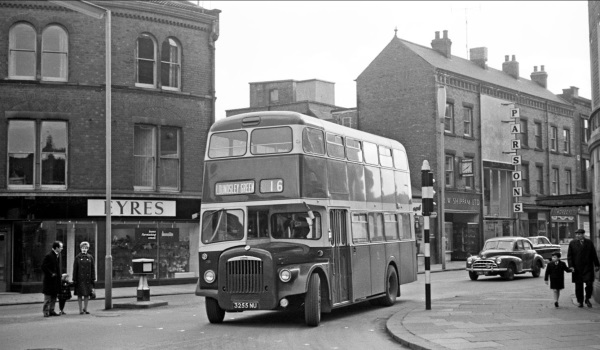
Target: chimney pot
(443,45)
(505,58)
(513,57)
(511,67)
(541,77)
(445,34)
(542,68)
(437,34)
(535,68)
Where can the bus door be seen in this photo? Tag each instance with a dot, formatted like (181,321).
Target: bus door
(361,257)
(340,255)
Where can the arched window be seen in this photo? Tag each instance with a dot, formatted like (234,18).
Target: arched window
(55,50)
(170,71)
(146,61)
(22,55)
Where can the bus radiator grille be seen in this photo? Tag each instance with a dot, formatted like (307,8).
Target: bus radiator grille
(245,276)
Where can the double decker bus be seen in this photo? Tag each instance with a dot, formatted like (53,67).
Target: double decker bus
(300,213)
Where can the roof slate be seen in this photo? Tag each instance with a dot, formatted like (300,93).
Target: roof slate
(490,75)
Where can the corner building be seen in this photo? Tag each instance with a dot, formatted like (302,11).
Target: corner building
(52,123)
(398,98)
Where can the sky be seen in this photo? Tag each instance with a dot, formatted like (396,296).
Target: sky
(336,40)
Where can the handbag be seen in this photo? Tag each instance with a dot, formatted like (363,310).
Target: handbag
(93,294)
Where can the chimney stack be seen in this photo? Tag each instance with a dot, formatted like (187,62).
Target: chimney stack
(511,67)
(479,56)
(442,45)
(541,77)
(573,91)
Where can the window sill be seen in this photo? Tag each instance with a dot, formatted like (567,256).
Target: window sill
(538,149)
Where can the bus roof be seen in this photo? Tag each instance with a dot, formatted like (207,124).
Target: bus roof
(276,118)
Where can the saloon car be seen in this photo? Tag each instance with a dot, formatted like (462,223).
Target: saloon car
(506,257)
(543,247)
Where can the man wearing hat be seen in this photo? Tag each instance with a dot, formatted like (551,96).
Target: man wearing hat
(583,259)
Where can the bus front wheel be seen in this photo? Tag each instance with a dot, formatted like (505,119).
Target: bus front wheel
(312,302)
(213,311)
(391,287)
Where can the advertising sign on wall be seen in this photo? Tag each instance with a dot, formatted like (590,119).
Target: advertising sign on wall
(153,235)
(130,207)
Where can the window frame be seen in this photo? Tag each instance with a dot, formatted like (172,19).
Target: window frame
(41,158)
(553,139)
(568,181)
(538,136)
(449,118)
(566,141)
(449,175)
(555,181)
(468,121)
(11,48)
(525,177)
(540,179)
(138,59)
(171,64)
(153,156)
(157,158)
(523,136)
(65,53)
(160,157)
(32,151)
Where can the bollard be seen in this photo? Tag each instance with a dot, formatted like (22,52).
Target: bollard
(427,197)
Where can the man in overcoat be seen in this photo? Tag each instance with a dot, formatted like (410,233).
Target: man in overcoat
(52,275)
(582,257)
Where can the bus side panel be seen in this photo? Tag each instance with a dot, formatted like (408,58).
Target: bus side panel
(361,270)
(408,262)
(378,268)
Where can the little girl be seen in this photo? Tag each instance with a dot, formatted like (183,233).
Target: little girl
(555,270)
(65,292)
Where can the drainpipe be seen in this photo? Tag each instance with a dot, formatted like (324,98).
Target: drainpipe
(214,36)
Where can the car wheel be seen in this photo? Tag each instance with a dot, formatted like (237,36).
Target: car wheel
(213,311)
(509,275)
(473,276)
(536,270)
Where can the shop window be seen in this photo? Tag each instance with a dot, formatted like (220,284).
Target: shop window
(22,52)
(54,54)
(146,61)
(146,169)
(170,65)
(23,152)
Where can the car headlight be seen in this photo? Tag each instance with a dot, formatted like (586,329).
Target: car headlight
(471,259)
(209,276)
(498,260)
(285,275)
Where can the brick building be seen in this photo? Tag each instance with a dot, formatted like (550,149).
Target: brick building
(397,98)
(52,113)
(594,125)
(313,97)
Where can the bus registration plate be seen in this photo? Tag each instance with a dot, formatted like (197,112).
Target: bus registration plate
(245,305)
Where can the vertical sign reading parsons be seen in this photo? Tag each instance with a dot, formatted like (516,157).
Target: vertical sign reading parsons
(123,207)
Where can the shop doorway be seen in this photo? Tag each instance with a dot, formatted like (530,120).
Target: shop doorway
(4,266)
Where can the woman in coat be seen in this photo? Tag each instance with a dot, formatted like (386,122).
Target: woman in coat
(84,276)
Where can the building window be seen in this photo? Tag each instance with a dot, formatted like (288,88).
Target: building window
(22,155)
(523,135)
(273,96)
(22,53)
(146,61)
(554,138)
(555,189)
(585,130)
(347,121)
(468,121)
(469,178)
(568,186)
(449,118)
(170,65)
(540,179)
(585,167)
(55,52)
(449,170)
(525,177)
(567,140)
(146,169)
(538,135)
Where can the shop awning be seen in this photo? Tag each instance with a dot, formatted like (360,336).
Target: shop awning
(566,200)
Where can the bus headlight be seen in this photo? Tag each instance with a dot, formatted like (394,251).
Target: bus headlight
(285,275)
(209,276)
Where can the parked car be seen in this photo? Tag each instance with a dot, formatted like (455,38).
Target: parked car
(505,256)
(544,247)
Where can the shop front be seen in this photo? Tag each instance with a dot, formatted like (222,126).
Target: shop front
(461,224)
(159,229)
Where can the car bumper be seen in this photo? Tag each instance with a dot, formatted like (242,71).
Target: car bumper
(486,271)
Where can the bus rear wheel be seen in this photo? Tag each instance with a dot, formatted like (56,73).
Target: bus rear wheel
(391,287)
(213,311)
(312,302)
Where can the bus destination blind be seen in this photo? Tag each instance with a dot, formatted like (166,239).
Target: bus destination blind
(231,188)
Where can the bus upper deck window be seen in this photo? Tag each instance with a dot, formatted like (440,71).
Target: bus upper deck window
(313,141)
(228,144)
(353,150)
(271,140)
(400,161)
(335,146)
(385,156)
(371,154)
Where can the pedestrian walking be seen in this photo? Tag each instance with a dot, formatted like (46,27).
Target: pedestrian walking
(583,259)
(51,281)
(84,277)
(555,270)
(65,293)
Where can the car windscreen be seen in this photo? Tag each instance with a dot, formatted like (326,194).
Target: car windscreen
(498,245)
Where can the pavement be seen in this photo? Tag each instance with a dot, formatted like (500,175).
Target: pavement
(502,320)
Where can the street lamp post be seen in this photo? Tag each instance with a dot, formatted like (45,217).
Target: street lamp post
(98,12)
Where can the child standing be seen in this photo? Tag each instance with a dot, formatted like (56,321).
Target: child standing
(555,270)
(65,292)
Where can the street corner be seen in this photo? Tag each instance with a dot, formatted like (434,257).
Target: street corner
(410,312)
